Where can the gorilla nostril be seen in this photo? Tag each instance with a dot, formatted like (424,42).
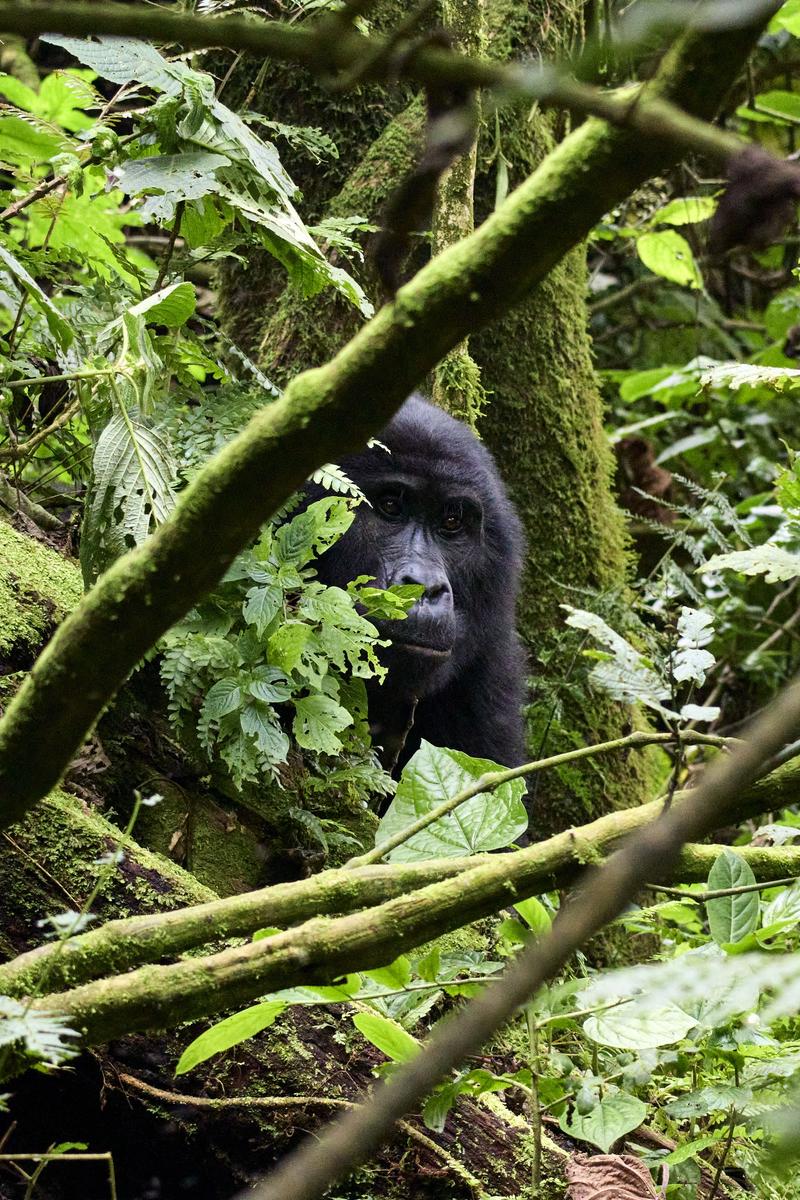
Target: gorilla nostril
(437,593)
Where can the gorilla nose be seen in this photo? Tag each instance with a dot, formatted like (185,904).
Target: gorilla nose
(437,594)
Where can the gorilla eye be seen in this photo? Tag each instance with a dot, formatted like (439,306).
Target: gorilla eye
(452,519)
(390,505)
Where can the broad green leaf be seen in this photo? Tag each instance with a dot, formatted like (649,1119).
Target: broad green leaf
(61,98)
(773,562)
(695,1146)
(396,975)
(731,918)
(228,1033)
(782,312)
(223,697)
(260,722)
(708,1100)
(669,254)
(642,383)
(270,685)
(261,605)
(389,1037)
(131,492)
(535,915)
(172,177)
(58,326)
(171,306)
(612,1117)
(639,1025)
(776,105)
(24,142)
(787,17)
(317,723)
(489,821)
(784,910)
(685,210)
(286,645)
(86,225)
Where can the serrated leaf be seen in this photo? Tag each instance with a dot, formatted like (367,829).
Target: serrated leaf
(489,821)
(171,306)
(389,1037)
(131,491)
(669,254)
(265,199)
(260,721)
(261,605)
(774,563)
(223,697)
(228,1033)
(287,643)
(613,1116)
(731,918)
(626,675)
(317,723)
(736,375)
(690,662)
(270,685)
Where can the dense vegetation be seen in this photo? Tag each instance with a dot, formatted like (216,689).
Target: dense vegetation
(203,916)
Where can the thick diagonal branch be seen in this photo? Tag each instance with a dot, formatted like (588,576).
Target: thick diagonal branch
(325,414)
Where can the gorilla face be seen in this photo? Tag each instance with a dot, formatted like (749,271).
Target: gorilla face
(437,516)
(422,529)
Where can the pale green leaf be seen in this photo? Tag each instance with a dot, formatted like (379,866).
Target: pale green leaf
(669,254)
(774,563)
(389,1037)
(685,210)
(171,306)
(641,1024)
(731,918)
(228,1033)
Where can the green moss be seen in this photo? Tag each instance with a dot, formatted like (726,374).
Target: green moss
(38,587)
(52,863)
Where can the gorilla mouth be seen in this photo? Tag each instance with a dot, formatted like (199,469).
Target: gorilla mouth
(426,649)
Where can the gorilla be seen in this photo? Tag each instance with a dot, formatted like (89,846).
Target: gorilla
(439,516)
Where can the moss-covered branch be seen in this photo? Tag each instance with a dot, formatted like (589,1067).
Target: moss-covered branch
(326,413)
(322,949)
(332,45)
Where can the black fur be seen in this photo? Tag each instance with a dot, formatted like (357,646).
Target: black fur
(456,666)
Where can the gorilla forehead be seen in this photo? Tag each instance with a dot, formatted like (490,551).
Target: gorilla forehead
(427,442)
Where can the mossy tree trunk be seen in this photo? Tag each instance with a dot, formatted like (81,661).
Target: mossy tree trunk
(543,418)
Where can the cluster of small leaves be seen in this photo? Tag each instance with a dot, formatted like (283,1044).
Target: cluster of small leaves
(274,651)
(43,1037)
(628,675)
(79,299)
